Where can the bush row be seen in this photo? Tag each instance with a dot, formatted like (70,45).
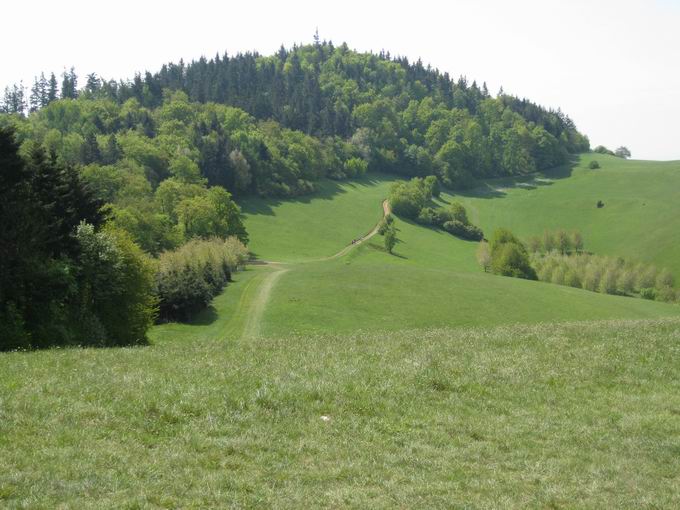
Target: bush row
(606,274)
(189,277)
(559,240)
(409,199)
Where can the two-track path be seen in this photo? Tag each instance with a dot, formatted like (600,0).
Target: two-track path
(254,313)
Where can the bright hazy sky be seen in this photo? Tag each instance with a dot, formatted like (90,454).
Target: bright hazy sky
(613,66)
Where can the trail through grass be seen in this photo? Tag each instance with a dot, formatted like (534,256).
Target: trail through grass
(259,302)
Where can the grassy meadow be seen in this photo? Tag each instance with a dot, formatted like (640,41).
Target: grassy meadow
(580,415)
(433,278)
(640,219)
(315,226)
(412,380)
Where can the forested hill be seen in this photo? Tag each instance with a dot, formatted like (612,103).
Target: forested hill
(348,110)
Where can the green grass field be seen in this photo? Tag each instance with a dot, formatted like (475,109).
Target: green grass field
(371,380)
(433,278)
(640,219)
(316,226)
(582,415)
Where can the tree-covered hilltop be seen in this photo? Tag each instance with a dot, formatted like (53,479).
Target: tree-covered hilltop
(299,114)
(166,152)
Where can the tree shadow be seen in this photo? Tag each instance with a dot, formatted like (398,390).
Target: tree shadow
(498,187)
(326,189)
(205,317)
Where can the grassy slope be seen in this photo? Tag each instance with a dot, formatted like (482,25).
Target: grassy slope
(640,220)
(432,281)
(224,319)
(546,416)
(559,416)
(315,226)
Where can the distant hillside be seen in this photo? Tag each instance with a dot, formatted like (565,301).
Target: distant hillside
(361,110)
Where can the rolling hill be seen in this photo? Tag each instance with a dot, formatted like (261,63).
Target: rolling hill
(433,278)
(304,407)
(640,219)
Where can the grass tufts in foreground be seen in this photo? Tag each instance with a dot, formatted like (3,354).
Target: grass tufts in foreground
(554,415)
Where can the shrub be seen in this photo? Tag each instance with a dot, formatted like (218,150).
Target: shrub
(189,277)
(600,204)
(407,198)
(666,294)
(648,293)
(454,212)
(572,279)
(509,256)
(593,165)
(453,219)
(355,167)
(428,216)
(432,184)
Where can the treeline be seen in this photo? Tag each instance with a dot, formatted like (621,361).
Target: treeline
(334,112)
(558,240)
(559,257)
(65,277)
(70,275)
(620,152)
(410,199)
(608,275)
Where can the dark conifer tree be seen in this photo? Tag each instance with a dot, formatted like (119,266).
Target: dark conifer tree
(69,84)
(52,93)
(90,149)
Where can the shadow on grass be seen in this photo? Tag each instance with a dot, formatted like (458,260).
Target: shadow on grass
(205,317)
(326,189)
(498,187)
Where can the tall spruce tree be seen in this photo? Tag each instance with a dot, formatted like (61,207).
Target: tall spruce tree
(52,91)
(69,84)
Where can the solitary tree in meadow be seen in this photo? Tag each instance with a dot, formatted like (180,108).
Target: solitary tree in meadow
(622,152)
(390,239)
(484,255)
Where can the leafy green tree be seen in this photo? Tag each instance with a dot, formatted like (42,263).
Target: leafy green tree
(211,215)
(509,256)
(185,170)
(242,174)
(116,304)
(432,185)
(355,167)
(577,241)
(622,152)
(483,255)
(563,241)
(407,199)
(390,239)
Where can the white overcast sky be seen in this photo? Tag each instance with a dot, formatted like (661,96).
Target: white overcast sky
(613,66)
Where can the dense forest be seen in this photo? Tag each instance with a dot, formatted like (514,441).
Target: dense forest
(164,153)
